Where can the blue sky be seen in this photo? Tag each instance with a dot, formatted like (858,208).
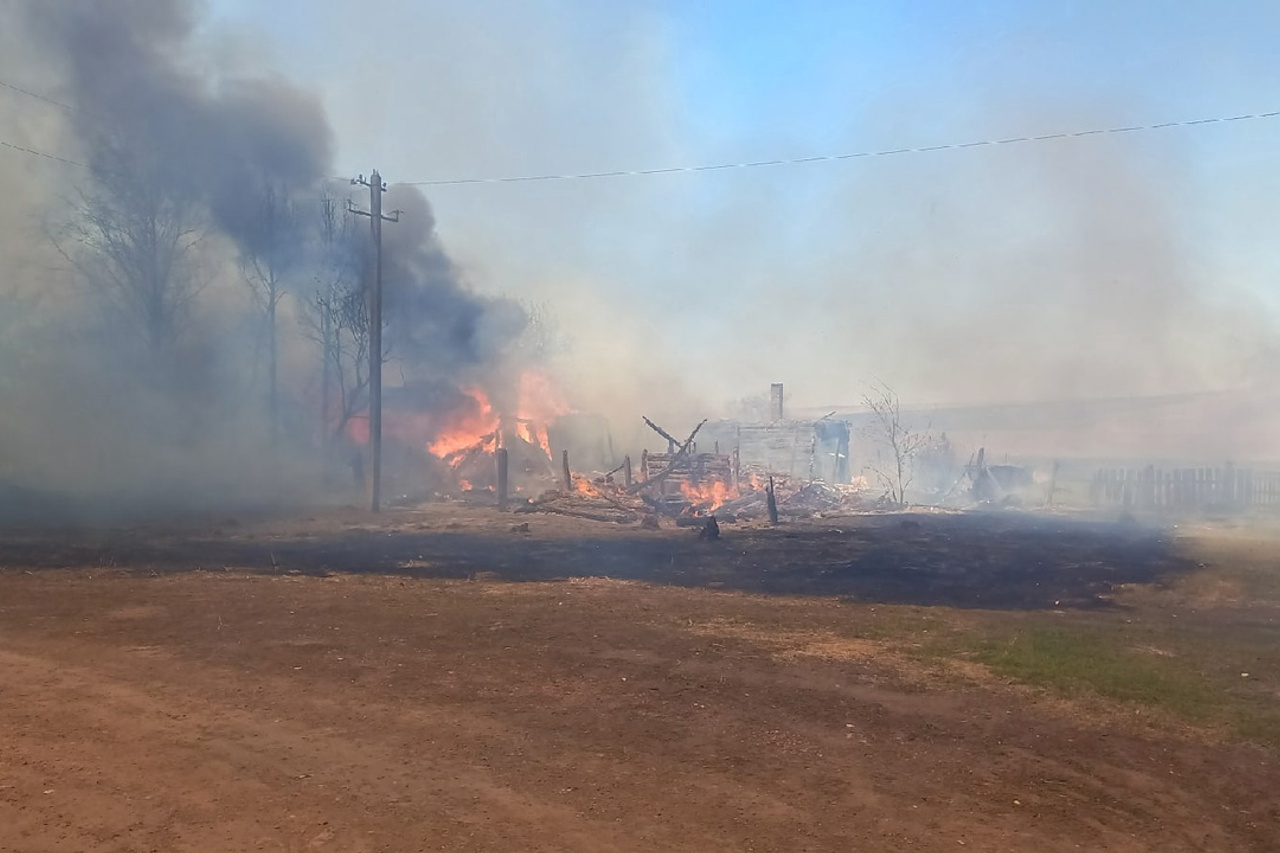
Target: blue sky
(746,70)
(850,258)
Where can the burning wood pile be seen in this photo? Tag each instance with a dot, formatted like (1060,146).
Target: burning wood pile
(474,468)
(444,439)
(798,499)
(691,488)
(453,441)
(594,500)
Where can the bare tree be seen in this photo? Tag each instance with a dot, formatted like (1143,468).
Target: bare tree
(137,235)
(337,318)
(348,318)
(898,443)
(270,251)
(542,337)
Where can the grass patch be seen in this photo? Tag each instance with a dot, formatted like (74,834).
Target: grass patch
(1073,661)
(1246,563)
(1260,724)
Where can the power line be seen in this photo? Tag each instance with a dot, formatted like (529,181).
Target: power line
(59,104)
(37,96)
(36,153)
(830,158)
(788,161)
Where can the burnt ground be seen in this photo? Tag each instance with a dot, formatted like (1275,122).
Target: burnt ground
(1001,560)
(434,680)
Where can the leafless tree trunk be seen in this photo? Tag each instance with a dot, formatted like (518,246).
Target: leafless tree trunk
(899,444)
(133,237)
(542,337)
(271,250)
(338,319)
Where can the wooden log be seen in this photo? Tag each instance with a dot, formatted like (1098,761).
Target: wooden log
(750,501)
(568,476)
(771,501)
(502,478)
(626,472)
(675,460)
(616,518)
(671,439)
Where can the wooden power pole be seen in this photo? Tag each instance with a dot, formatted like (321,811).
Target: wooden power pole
(376,217)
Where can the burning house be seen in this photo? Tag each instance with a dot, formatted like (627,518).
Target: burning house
(439,437)
(442,438)
(746,458)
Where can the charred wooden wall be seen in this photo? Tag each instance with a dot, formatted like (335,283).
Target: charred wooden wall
(806,449)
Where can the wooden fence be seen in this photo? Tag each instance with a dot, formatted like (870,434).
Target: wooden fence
(1186,489)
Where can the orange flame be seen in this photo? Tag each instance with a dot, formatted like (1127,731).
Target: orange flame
(475,423)
(583,486)
(709,496)
(539,404)
(467,429)
(534,434)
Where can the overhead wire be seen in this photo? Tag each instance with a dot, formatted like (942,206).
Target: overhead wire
(831,158)
(37,96)
(32,151)
(712,167)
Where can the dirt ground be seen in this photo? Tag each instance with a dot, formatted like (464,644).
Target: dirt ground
(436,680)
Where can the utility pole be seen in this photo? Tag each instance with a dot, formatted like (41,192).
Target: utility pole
(376,217)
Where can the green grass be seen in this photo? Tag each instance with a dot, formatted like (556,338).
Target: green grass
(1180,649)
(1081,660)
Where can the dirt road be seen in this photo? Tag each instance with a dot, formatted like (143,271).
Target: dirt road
(216,710)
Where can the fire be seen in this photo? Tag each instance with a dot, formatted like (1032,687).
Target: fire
(467,428)
(584,486)
(710,496)
(471,422)
(540,402)
(534,434)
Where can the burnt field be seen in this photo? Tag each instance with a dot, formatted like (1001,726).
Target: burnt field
(1002,560)
(446,678)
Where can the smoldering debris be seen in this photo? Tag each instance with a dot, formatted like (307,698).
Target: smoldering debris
(1000,274)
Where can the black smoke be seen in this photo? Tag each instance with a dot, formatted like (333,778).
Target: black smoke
(164,126)
(208,131)
(436,323)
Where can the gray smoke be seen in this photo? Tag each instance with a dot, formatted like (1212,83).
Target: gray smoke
(196,129)
(436,323)
(133,350)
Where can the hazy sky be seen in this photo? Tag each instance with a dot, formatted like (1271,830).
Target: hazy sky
(1132,264)
(734,76)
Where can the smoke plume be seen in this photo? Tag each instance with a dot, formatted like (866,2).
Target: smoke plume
(1123,267)
(189,257)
